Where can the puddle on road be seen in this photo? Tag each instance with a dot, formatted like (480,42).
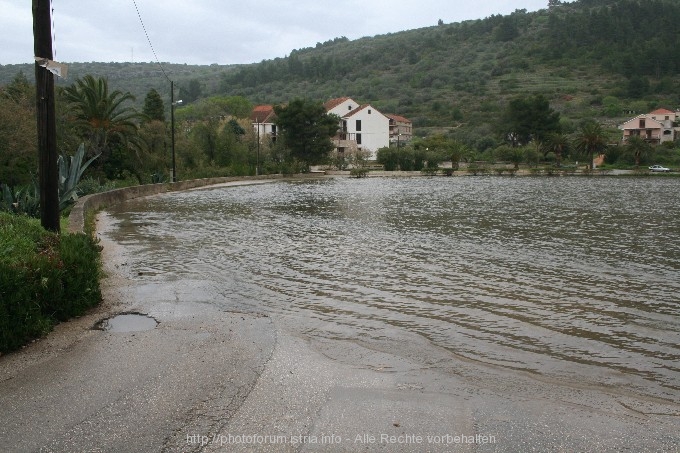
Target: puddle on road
(127,322)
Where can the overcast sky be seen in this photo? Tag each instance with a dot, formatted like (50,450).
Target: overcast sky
(223,32)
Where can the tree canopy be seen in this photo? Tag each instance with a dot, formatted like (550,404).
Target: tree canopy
(307,129)
(528,118)
(153,106)
(104,120)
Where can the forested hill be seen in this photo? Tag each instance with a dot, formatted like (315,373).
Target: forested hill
(589,58)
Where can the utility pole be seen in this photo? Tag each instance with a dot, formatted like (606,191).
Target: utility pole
(48,173)
(172,128)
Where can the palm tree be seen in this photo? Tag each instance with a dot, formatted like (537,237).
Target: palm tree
(638,147)
(590,140)
(557,143)
(101,116)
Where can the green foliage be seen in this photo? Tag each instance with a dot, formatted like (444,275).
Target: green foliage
(190,91)
(388,158)
(215,107)
(528,118)
(105,122)
(44,278)
(18,134)
(307,130)
(80,274)
(153,106)
(70,172)
(359,172)
(91,185)
(639,149)
(590,140)
(408,158)
(586,58)
(19,89)
(629,37)
(23,200)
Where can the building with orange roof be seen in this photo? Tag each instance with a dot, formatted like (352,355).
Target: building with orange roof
(362,126)
(263,119)
(655,127)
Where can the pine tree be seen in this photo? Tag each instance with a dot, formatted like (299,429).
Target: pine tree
(153,106)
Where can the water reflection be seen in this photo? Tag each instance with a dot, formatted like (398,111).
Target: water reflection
(556,276)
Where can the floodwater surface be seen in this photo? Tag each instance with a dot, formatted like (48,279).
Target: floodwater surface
(569,279)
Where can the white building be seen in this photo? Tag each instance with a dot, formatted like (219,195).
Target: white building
(362,127)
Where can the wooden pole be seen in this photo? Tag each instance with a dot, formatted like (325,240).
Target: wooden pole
(48,172)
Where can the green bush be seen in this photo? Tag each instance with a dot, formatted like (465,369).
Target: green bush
(21,317)
(44,278)
(359,172)
(80,274)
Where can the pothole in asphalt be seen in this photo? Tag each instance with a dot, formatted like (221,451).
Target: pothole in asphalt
(127,322)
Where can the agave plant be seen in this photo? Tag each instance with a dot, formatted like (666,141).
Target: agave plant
(70,172)
(7,199)
(21,200)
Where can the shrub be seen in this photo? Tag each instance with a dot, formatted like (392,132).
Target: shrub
(80,273)
(44,278)
(21,317)
(359,172)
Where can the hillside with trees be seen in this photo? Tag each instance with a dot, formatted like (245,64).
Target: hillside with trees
(591,59)
(563,68)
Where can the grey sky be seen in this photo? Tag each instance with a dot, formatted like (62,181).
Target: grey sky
(223,32)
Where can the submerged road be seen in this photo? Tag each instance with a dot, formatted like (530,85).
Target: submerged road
(206,379)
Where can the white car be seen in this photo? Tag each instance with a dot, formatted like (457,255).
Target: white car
(659,168)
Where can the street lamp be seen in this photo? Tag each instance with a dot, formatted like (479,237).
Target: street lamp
(257,165)
(172,127)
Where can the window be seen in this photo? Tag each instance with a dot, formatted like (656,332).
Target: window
(369,111)
(642,124)
(273,129)
(358,125)
(358,139)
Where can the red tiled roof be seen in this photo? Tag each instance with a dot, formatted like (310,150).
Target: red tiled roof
(661,112)
(262,113)
(397,118)
(330,105)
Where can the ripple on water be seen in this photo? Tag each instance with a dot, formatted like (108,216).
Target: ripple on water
(557,276)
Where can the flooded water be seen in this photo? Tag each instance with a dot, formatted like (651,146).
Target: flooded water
(127,322)
(569,279)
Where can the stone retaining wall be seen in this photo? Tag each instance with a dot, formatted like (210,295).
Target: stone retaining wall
(97,201)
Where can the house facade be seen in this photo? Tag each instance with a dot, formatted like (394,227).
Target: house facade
(655,127)
(401,129)
(263,120)
(361,127)
(364,127)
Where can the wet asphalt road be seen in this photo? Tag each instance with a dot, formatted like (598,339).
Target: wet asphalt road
(216,381)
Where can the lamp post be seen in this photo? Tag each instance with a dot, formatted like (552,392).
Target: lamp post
(172,127)
(257,165)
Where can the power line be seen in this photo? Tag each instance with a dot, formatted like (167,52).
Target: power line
(149,40)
